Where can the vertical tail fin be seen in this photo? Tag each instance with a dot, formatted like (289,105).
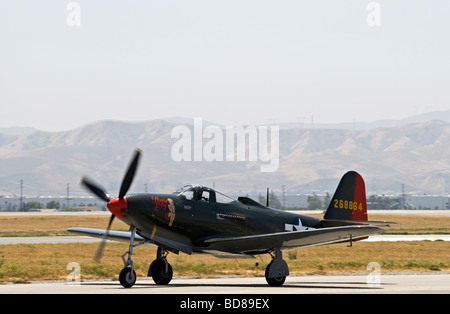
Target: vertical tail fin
(349,200)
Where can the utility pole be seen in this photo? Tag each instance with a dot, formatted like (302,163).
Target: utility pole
(403,197)
(68,196)
(284,195)
(21,207)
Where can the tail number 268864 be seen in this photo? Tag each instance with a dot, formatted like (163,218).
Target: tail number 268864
(347,205)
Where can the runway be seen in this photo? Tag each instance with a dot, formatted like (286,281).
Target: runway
(370,283)
(86,239)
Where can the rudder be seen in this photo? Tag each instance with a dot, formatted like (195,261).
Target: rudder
(349,200)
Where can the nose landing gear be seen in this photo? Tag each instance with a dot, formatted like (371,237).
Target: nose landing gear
(159,269)
(127,276)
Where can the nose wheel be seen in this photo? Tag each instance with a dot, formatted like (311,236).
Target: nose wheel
(127,277)
(160,269)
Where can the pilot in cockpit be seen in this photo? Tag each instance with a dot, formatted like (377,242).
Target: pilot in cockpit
(201,196)
(197,195)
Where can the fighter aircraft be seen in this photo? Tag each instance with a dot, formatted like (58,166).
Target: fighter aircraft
(199,219)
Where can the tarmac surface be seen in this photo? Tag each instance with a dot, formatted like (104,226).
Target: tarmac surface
(370,283)
(86,239)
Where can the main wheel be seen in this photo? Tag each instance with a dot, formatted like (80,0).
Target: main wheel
(274,282)
(158,271)
(127,277)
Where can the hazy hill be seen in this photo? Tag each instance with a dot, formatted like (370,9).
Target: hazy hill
(358,125)
(417,155)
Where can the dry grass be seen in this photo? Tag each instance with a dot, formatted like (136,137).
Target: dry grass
(52,225)
(415,224)
(25,262)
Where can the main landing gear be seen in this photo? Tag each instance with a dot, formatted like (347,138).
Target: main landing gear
(159,269)
(277,270)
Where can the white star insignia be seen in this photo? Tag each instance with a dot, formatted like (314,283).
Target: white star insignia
(291,227)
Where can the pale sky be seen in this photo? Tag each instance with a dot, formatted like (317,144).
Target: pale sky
(230,62)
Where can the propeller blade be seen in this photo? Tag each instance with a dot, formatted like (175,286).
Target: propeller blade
(112,205)
(128,178)
(95,188)
(99,253)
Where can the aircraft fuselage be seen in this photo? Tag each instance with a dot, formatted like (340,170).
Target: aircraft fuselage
(200,219)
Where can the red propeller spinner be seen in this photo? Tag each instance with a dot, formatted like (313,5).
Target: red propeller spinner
(117,206)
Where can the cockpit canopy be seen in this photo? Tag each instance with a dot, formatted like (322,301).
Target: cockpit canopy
(204,193)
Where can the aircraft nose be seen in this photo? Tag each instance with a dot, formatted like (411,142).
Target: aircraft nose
(117,206)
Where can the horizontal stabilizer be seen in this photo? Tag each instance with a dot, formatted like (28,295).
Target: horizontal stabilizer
(338,222)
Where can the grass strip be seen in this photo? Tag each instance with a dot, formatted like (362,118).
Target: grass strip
(29,262)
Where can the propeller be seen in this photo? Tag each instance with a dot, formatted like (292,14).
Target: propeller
(99,253)
(117,204)
(129,175)
(95,189)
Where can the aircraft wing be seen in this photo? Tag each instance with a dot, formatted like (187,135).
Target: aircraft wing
(254,244)
(123,236)
(263,243)
(159,237)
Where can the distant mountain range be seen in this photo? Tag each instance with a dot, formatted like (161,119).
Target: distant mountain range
(415,154)
(356,125)
(17,130)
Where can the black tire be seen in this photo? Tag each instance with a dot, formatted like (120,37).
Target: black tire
(274,282)
(127,277)
(158,272)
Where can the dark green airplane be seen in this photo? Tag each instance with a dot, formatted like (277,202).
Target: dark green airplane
(198,219)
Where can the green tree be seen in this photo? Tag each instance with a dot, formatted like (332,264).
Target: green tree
(53,205)
(274,201)
(326,200)
(32,205)
(314,201)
